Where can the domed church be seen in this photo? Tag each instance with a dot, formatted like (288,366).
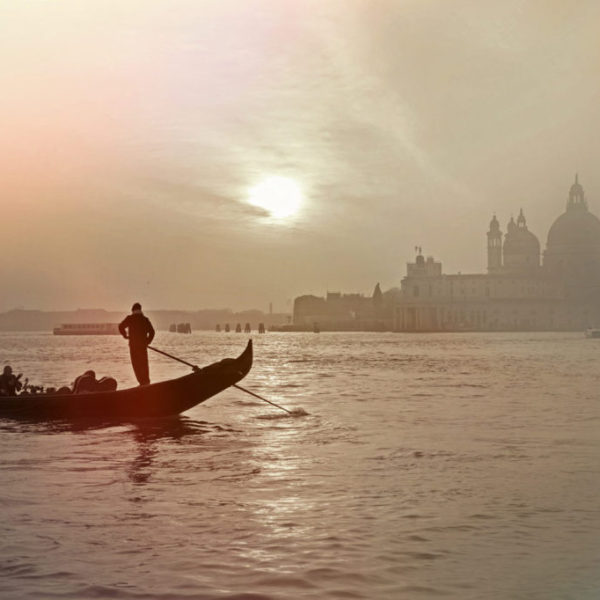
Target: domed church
(573,248)
(519,292)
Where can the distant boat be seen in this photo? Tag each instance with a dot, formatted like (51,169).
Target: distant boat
(160,399)
(87,329)
(591,332)
(184,328)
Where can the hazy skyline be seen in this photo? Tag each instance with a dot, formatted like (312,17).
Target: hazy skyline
(134,133)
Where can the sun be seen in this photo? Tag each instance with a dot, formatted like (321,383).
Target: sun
(280,196)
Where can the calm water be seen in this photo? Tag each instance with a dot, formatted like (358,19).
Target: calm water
(458,466)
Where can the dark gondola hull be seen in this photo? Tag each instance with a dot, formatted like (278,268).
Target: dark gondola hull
(161,399)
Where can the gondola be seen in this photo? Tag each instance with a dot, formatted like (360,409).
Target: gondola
(162,399)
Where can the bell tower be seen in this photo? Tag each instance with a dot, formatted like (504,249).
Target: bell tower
(494,246)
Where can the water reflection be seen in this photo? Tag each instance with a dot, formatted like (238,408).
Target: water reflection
(149,433)
(141,439)
(173,428)
(143,430)
(40,426)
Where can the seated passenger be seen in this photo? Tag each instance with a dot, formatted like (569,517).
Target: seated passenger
(10,384)
(87,383)
(106,384)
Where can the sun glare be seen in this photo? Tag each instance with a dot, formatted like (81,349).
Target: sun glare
(280,196)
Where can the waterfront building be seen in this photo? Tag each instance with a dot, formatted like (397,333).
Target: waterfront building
(345,312)
(519,292)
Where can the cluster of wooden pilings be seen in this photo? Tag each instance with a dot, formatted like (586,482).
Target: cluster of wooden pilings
(180,328)
(238,328)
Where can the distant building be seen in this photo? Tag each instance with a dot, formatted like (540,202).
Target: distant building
(519,292)
(345,312)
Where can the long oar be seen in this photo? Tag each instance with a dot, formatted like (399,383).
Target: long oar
(239,387)
(235,385)
(195,367)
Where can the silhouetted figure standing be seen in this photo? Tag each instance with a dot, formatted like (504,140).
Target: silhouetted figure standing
(137,328)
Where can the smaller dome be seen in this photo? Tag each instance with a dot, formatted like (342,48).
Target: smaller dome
(521,247)
(518,238)
(521,241)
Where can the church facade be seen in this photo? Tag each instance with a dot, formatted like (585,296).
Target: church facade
(524,288)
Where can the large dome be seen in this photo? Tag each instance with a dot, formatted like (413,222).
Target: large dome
(577,229)
(573,250)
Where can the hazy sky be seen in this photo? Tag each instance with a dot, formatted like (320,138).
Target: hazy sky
(133,132)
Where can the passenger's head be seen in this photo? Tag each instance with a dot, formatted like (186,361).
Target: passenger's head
(7,370)
(136,307)
(90,373)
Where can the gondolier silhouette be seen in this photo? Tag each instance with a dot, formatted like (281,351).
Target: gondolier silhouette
(137,328)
